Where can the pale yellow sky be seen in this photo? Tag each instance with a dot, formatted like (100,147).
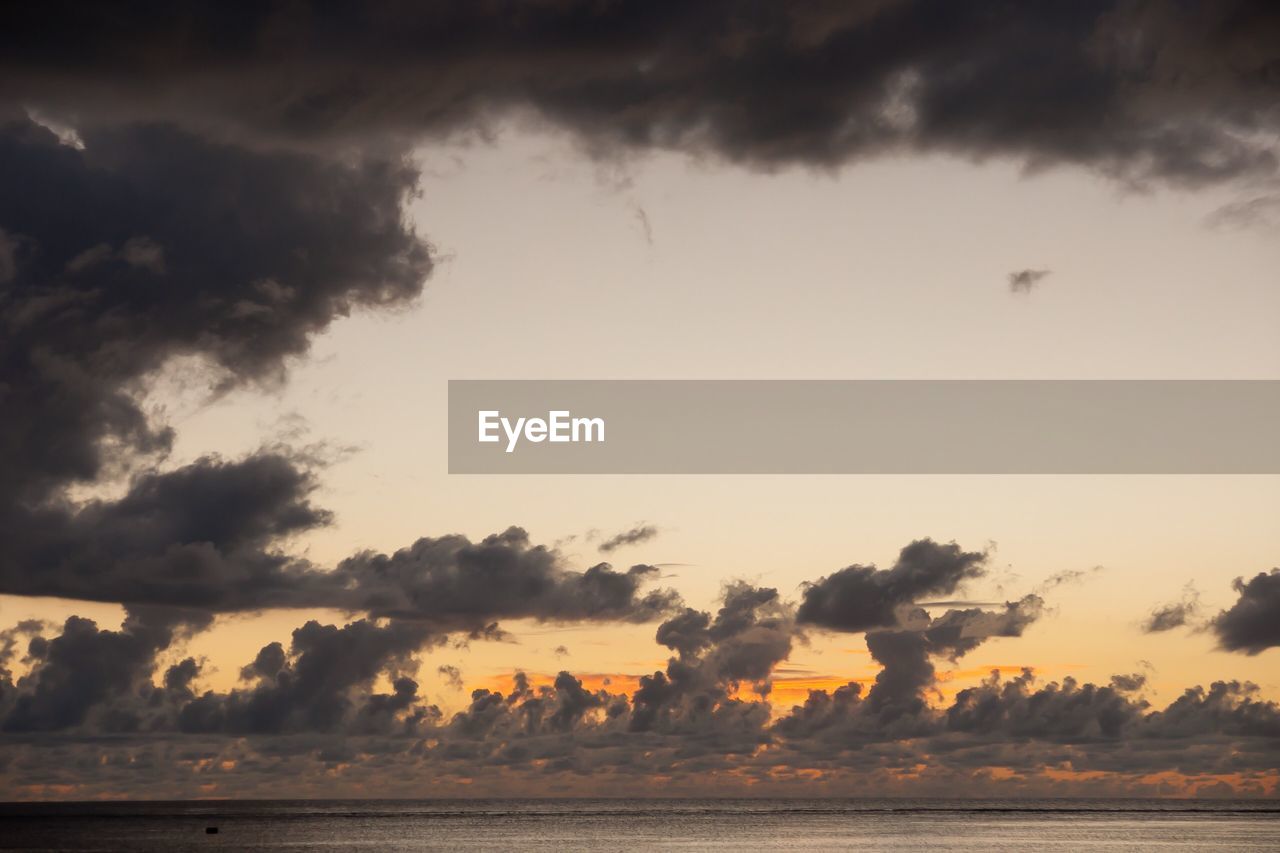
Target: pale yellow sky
(668,268)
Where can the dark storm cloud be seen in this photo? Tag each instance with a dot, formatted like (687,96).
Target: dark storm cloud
(147,244)
(634,536)
(1184,92)
(861,597)
(198,536)
(1252,624)
(202,537)
(1024,281)
(152,243)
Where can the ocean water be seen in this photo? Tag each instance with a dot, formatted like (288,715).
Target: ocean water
(714,824)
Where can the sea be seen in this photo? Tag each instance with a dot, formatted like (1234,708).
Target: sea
(611,824)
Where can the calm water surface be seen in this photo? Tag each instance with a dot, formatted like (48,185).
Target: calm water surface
(562,825)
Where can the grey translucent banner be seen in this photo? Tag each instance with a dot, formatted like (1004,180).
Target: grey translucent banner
(864,427)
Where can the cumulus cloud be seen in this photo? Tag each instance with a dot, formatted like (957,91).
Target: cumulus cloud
(322,684)
(861,597)
(900,694)
(961,631)
(1252,624)
(205,536)
(202,535)
(86,671)
(902,636)
(1249,625)
(340,705)
(451,581)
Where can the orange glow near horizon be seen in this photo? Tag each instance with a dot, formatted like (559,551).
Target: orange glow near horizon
(786,691)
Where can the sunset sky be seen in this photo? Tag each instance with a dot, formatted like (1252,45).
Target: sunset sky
(241,257)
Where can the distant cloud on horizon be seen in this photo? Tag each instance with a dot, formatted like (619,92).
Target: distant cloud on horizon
(92,695)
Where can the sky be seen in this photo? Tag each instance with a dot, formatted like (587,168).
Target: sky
(241,256)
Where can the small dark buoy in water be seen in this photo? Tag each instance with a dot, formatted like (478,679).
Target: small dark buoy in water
(211,830)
